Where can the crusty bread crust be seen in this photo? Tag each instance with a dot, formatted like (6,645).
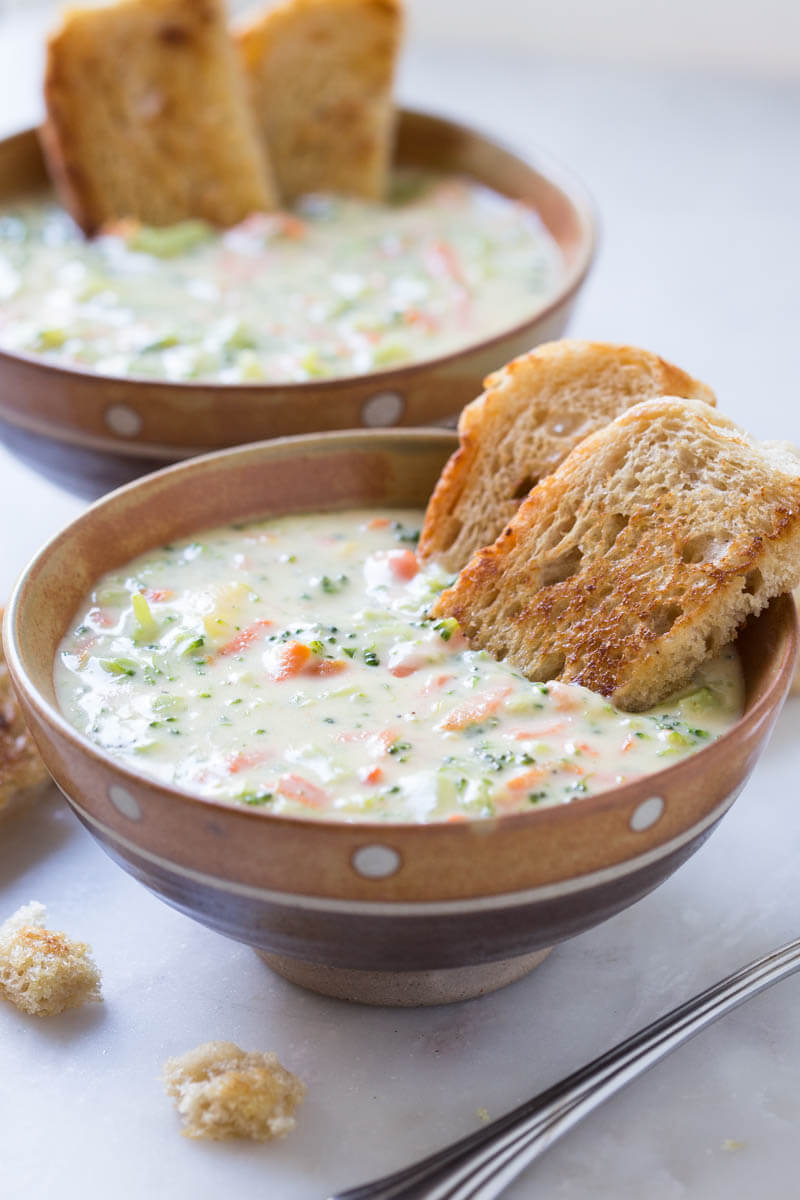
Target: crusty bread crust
(148,116)
(321,74)
(639,557)
(221,1091)
(533,412)
(21,768)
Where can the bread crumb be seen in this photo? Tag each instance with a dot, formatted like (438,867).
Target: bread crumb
(732,1144)
(222,1091)
(43,972)
(482,1114)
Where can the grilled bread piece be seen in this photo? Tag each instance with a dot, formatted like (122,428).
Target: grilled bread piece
(148,116)
(639,556)
(21,768)
(533,412)
(321,76)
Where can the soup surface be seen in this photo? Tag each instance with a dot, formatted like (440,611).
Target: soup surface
(338,287)
(289,664)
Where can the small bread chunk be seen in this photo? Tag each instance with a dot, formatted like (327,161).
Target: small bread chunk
(533,412)
(21,768)
(221,1091)
(148,116)
(321,75)
(42,972)
(639,557)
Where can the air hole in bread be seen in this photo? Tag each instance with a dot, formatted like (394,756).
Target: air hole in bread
(753,582)
(561,568)
(665,617)
(613,527)
(710,643)
(706,547)
(513,610)
(524,486)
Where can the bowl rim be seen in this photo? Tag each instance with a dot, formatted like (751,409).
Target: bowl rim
(538,161)
(767,705)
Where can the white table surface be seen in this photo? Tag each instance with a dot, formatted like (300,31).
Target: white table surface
(698,182)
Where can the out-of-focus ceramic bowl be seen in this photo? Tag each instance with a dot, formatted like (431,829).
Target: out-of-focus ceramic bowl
(166,421)
(384,913)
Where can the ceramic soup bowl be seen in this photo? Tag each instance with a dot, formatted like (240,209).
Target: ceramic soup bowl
(382,913)
(163,420)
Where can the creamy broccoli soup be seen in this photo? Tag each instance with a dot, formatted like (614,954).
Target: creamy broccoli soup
(290,665)
(337,287)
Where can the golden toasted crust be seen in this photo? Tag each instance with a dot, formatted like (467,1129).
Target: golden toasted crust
(148,116)
(43,972)
(796,680)
(321,74)
(221,1091)
(533,412)
(639,557)
(21,768)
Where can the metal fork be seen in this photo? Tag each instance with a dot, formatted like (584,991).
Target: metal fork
(482,1165)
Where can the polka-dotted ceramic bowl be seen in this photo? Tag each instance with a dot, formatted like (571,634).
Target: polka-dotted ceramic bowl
(378,912)
(168,421)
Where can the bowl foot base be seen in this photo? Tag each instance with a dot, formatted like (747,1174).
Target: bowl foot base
(405,989)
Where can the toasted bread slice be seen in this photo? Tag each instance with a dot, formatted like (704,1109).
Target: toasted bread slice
(321,75)
(533,412)
(639,557)
(148,116)
(21,768)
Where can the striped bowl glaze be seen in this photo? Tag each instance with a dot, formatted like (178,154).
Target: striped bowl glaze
(378,912)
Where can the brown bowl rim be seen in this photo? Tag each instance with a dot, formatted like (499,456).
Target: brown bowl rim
(610,799)
(540,162)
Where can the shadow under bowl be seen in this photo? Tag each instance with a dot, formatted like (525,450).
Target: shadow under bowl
(379,912)
(163,421)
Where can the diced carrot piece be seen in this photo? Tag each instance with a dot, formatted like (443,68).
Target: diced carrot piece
(532,735)
(438,682)
(101,617)
(442,260)
(244,638)
(403,563)
(291,660)
(528,779)
(371,774)
(475,711)
(244,759)
(585,748)
(157,595)
(378,523)
(563,700)
(327,666)
(628,744)
(402,670)
(296,787)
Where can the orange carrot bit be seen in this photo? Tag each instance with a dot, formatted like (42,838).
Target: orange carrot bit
(327,666)
(562,700)
(378,523)
(402,670)
(292,227)
(456,818)
(291,660)
(528,779)
(475,711)
(533,735)
(101,617)
(628,744)
(371,774)
(572,768)
(244,638)
(585,748)
(244,759)
(296,787)
(403,564)
(157,595)
(438,682)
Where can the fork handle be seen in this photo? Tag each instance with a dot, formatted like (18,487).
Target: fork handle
(481,1165)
